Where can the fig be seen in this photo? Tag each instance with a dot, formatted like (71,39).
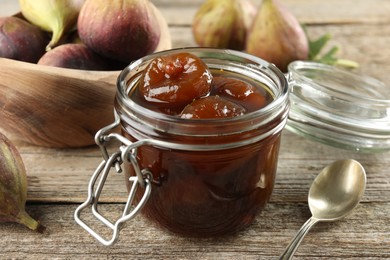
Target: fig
(240,92)
(223,23)
(212,107)
(175,80)
(13,187)
(20,40)
(76,56)
(56,16)
(277,36)
(124,30)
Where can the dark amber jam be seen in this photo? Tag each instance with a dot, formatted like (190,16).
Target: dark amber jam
(211,176)
(241,90)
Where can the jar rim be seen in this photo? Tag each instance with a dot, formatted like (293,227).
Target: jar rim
(376,93)
(271,74)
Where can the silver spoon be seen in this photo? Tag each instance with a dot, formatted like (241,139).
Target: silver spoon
(334,193)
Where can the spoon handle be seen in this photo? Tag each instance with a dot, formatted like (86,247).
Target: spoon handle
(296,241)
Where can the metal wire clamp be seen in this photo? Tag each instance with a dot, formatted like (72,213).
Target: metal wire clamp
(142,178)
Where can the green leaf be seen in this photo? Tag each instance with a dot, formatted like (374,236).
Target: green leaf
(316,46)
(329,57)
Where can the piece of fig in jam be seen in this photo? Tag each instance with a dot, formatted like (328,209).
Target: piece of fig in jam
(239,91)
(212,107)
(175,80)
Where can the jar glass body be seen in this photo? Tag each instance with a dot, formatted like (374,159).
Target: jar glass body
(339,107)
(210,177)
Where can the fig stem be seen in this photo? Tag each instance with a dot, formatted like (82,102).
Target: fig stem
(25,219)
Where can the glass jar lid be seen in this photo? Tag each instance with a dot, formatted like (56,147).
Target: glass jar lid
(339,107)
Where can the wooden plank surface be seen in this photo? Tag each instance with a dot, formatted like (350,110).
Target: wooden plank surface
(58,178)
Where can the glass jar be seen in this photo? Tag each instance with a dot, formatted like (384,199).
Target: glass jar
(338,107)
(197,177)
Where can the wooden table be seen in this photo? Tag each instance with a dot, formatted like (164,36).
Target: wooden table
(58,178)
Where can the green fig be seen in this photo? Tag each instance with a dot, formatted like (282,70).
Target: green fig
(13,187)
(124,30)
(56,16)
(277,36)
(223,23)
(20,40)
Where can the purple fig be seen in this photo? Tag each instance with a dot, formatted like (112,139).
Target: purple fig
(277,36)
(13,187)
(20,40)
(123,29)
(75,56)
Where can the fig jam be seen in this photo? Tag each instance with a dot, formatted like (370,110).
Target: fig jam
(211,174)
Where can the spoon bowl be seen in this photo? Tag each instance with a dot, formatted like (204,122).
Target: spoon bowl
(335,192)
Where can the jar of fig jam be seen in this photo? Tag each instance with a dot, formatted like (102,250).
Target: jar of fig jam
(194,177)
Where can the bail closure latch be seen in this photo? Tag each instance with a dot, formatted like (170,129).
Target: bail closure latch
(127,153)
